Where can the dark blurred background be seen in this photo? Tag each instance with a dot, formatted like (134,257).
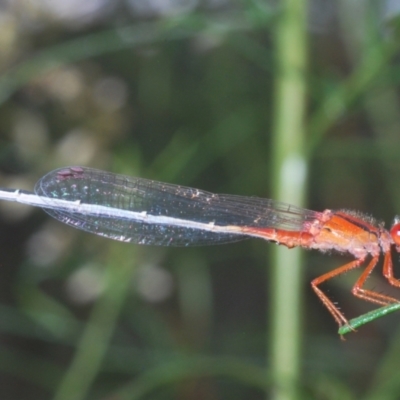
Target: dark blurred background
(182,91)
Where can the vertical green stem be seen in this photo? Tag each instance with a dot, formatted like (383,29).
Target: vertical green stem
(289,169)
(95,339)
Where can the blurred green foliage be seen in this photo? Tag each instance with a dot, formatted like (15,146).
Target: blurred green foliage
(186,97)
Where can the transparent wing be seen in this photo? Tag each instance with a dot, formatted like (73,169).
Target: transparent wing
(155,200)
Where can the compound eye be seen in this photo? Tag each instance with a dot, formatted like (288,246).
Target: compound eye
(395,234)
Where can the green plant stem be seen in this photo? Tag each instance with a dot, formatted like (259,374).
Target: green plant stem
(368,317)
(289,171)
(96,337)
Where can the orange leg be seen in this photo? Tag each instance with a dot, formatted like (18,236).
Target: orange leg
(337,315)
(357,289)
(388,270)
(370,295)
